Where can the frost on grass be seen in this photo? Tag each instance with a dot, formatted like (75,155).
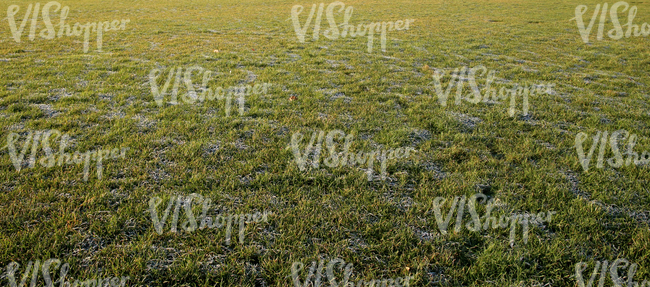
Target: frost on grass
(88,248)
(250,77)
(437,171)
(212,148)
(611,209)
(338,95)
(418,136)
(48,110)
(467,120)
(144,122)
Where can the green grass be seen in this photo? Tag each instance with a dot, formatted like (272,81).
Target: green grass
(386,229)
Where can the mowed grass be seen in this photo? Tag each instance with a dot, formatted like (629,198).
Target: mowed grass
(387,229)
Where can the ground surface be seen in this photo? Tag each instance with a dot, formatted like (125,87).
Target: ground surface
(386,229)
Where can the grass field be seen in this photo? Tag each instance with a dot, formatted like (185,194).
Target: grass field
(244,163)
